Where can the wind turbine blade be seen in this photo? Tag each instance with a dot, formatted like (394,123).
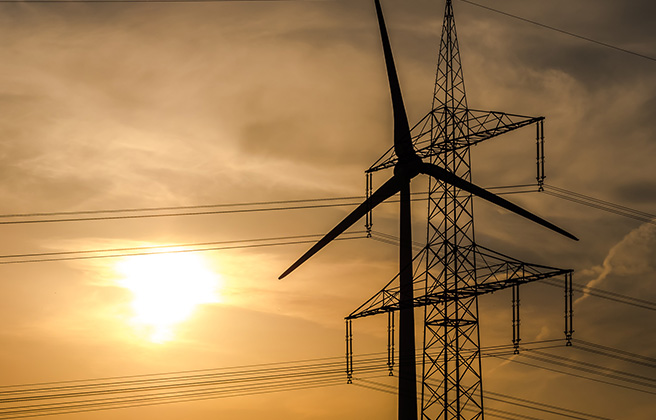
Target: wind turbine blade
(450,178)
(388,189)
(402,141)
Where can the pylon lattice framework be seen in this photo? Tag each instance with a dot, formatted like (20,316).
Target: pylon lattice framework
(456,270)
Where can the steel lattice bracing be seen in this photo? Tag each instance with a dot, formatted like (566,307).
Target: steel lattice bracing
(482,125)
(451,378)
(494,272)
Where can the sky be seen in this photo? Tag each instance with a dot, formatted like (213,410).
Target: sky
(117,106)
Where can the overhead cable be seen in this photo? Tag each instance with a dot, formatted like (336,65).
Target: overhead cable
(31,400)
(579,365)
(176,214)
(167,249)
(282,205)
(552,28)
(155,212)
(605,294)
(508,398)
(616,353)
(599,204)
(514,359)
(492,396)
(178,208)
(195,210)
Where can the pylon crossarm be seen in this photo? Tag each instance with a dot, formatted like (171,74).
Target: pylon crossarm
(494,272)
(387,300)
(482,125)
(481,289)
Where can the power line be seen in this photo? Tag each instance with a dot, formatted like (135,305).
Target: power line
(140,390)
(582,369)
(167,249)
(283,377)
(172,208)
(552,28)
(356,198)
(505,397)
(177,214)
(605,294)
(272,378)
(618,354)
(513,359)
(600,204)
(389,389)
(495,413)
(248,207)
(261,367)
(255,207)
(174,397)
(300,204)
(362,360)
(551,409)
(612,352)
(582,366)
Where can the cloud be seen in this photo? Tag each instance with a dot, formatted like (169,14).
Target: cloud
(629,263)
(629,269)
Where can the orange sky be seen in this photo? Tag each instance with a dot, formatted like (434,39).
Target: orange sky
(129,106)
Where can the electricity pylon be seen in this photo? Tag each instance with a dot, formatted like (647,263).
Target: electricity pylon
(455,269)
(452,245)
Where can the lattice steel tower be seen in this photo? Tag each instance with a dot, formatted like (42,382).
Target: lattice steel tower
(452,269)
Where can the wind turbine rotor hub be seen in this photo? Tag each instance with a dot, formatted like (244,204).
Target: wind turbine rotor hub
(409,167)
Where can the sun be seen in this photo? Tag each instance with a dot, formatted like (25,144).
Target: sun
(166,289)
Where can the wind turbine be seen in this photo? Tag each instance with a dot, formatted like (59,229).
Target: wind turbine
(408,166)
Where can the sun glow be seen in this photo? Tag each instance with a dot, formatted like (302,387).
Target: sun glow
(166,289)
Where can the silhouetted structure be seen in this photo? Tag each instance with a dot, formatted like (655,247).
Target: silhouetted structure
(456,269)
